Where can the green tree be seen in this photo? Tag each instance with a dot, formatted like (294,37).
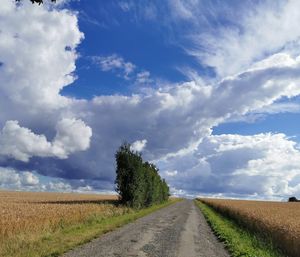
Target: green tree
(130,179)
(138,183)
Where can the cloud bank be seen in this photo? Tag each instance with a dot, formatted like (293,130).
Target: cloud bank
(238,166)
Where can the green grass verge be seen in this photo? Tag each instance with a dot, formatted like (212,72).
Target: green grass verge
(237,240)
(65,239)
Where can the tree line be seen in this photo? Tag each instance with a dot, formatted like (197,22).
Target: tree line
(137,182)
(293,199)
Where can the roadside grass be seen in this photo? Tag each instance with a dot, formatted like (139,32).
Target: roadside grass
(239,241)
(52,244)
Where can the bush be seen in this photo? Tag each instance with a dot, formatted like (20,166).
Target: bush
(138,183)
(293,199)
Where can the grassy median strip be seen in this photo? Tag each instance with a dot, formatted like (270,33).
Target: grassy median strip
(67,237)
(237,240)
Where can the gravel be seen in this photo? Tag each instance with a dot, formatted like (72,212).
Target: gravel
(179,230)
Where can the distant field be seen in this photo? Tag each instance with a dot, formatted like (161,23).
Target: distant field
(48,224)
(278,221)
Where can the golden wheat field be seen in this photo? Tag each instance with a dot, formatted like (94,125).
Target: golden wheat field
(29,215)
(279,221)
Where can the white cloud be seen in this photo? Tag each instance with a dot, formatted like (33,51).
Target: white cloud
(276,60)
(127,70)
(171,173)
(43,66)
(29,179)
(85,189)
(34,70)
(21,143)
(248,33)
(291,107)
(143,77)
(139,145)
(11,179)
(115,63)
(72,136)
(264,165)
(59,186)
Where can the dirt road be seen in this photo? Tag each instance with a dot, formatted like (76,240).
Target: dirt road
(179,230)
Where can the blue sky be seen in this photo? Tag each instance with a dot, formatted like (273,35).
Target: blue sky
(208,90)
(110,30)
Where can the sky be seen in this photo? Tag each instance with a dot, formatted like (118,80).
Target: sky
(207,90)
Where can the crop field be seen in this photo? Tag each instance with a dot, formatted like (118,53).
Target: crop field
(33,212)
(277,221)
(26,216)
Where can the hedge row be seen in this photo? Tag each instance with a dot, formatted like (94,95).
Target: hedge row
(138,183)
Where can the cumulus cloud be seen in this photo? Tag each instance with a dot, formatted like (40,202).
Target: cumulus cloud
(263,165)
(29,179)
(44,65)
(21,143)
(139,145)
(33,72)
(11,179)
(72,136)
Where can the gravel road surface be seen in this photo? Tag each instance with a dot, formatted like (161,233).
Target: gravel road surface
(179,230)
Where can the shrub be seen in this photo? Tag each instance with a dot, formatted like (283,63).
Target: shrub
(293,199)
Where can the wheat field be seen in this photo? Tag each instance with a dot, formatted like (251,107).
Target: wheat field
(278,221)
(28,215)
